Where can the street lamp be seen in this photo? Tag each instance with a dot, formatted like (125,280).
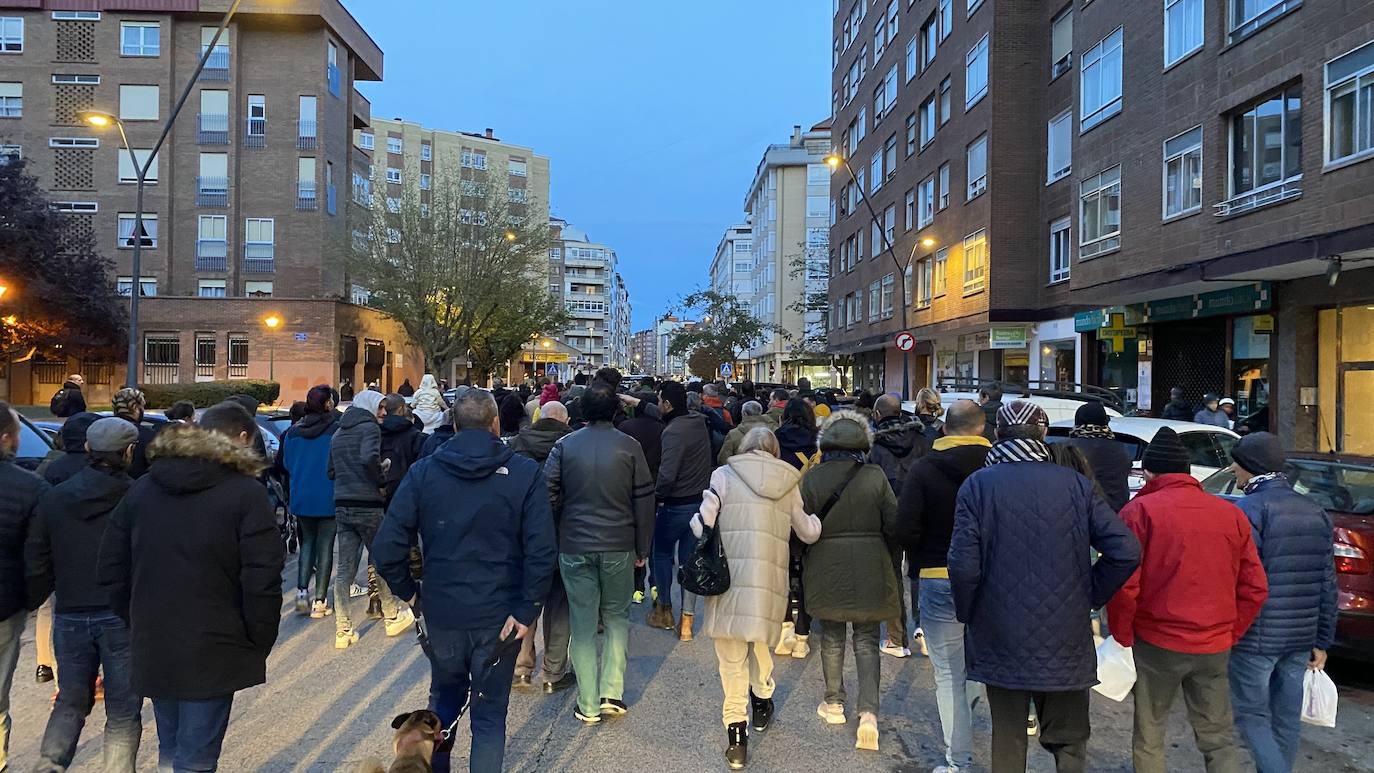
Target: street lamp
(272,322)
(101,120)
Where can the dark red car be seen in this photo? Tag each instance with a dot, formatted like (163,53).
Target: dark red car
(1344,486)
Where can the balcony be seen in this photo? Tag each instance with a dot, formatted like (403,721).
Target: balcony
(212,191)
(212,255)
(306,138)
(331,200)
(334,78)
(259,257)
(212,129)
(307,196)
(217,66)
(362,111)
(1274,193)
(255,133)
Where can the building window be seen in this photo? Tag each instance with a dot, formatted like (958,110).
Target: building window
(393,175)
(1350,105)
(76,16)
(161,358)
(1182,29)
(217,64)
(76,80)
(875,171)
(875,291)
(473,159)
(138,103)
(426,181)
(238,352)
(257,289)
(924,288)
(125,239)
(367,140)
(875,240)
(1249,15)
(930,41)
(910,217)
(517,196)
(10,153)
(1100,213)
(944,101)
(941,271)
(307,192)
(890,222)
(517,168)
(393,145)
(210,288)
(211,243)
(140,38)
(911,57)
(555,254)
(974,5)
(147,287)
(1059,249)
(127,172)
(1266,143)
(1061,43)
(75,207)
(976,73)
(331,60)
(1101,84)
(1059,155)
(259,244)
(426,151)
(11,34)
(929,120)
(977,167)
(889,285)
(11,100)
(1183,173)
(910,134)
(975,261)
(944,185)
(944,11)
(925,203)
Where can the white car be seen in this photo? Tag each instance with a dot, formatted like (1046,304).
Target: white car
(1209,447)
(1056,408)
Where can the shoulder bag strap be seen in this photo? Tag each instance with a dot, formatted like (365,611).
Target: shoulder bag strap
(838,492)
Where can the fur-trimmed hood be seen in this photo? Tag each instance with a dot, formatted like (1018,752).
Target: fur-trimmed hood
(845,430)
(188,458)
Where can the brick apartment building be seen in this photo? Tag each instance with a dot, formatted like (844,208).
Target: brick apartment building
(1138,211)
(242,206)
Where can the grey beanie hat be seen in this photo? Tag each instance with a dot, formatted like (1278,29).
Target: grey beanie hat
(1259,453)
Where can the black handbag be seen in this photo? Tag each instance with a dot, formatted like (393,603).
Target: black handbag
(707,572)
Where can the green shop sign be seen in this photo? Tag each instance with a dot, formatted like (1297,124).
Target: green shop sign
(1246,299)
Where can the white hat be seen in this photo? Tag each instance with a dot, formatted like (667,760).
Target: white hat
(1227,401)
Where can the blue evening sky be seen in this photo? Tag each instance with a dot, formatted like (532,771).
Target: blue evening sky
(654,115)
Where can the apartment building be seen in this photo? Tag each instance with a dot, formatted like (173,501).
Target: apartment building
(732,268)
(619,338)
(583,276)
(787,209)
(241,214)
(670,365)
(642,352)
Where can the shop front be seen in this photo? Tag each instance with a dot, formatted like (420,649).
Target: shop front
(996,353)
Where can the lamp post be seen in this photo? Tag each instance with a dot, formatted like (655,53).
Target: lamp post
(272,322)
(100,120)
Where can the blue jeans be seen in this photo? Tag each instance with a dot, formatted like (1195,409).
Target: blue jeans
(673,538)
(355,528)
(1266,698)
(317,554)
(456,661)
(85,645)
(190,733)
(10,630)
(599,587)
(945,640)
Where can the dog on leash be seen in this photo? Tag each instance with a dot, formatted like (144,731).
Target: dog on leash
(418,734)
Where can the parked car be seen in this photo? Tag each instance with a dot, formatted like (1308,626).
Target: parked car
(1059,404)
(34,445)
(50,429)
(1209,447)
(1344,487)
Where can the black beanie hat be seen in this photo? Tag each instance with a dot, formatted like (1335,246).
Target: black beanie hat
(1091,414)
(676,395)
(1259,453)
(1166,454)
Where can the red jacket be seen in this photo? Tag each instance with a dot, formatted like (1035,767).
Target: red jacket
(1200,582)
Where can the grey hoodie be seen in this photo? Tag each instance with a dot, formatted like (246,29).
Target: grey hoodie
(355,456)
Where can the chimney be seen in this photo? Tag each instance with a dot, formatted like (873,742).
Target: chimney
(488,133)
(796,136)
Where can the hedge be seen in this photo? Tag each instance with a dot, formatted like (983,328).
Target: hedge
(208,393)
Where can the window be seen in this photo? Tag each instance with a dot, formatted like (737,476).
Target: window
(259,242)
(1249,15)
(816,206)
(1061,43)
(944,11)
(138,103)
(910,217)
(125,237)
(516,195)
(910,134)
(889,91)
(1182,29)
(1059,156)
(393,205)
(258,289)
(974,5)
(923,283)
(127,173)
(238,344)
(817,174)
(893,9)
(929,41)
(890,222)
(1059,249)
(928,120)
(1350,104)
(393,145)
(875,291)
(11,100)
(875,171)
(890,156)
(975,261)
(941,271)
(147,286)
(925,203)
(140,38)
(875,241)
(911,57)
(944,185)
(555,254)
(879,39)
(75,207)
(367,140)
(393,175)
(863,124)
(976,73)
(208,288)
(473,159)
(1266,142)
(76,16)
(1101,84)
(944,101)
(1100,213)
(305,173)
(1183,173)
(77,80)
(889,285)
(332,66)
(212,228)
(426,151)
(906,284)
(11,34)
(10,153)
(425,182)
(977,167)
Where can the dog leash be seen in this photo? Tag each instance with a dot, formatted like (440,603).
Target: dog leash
(477,690)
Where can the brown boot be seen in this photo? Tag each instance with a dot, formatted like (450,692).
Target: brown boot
(661,616)
(684,631)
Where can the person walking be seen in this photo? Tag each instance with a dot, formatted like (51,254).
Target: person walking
(191,659)
(897,443)
(646,426)
(1198,588)
(302,465)
(69,401)
(480,514)
(18,506)
(359,475)
(402,440)
(1297,624)
(128,404)
(797,446)
(848,572)
(929,409)
(428,405)
(925,524)
(61,554)
(1028,620)
(406,389)
(990,397)
(683,474)
(536,442)
(1110,465)
(603,502)
(751,415)
(1177,409)
(1211,412)
(755,502)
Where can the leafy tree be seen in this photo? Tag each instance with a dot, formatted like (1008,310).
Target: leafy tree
(460,266)
(59,293)
(706,362)
(726,330)
(811,269)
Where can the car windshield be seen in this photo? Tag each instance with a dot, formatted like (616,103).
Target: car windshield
(1133,445)
(32,445)
(1339,486)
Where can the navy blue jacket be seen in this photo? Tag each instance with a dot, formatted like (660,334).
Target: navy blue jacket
(1023,576)
(485,531)
(1293,536)
(304,458)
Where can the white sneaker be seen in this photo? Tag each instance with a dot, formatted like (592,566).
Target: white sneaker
(320,609)
(801,649)
(867,736)
(357,591)
(788,640)
(895,650)
(401,623)
(1032,726)
(921,643)
(345,639)
(832,713)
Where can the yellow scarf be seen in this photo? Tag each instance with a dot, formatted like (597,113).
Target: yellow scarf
(955,441)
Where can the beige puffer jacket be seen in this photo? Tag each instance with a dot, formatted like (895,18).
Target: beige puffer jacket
(757,505)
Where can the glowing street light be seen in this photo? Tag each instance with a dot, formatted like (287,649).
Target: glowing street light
(929,242)
(510,236)
(272,322)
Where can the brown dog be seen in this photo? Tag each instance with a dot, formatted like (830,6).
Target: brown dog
(417,735)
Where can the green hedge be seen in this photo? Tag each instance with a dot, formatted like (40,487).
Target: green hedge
(208,393)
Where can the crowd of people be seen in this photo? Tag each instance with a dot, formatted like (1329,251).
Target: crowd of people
(849,526)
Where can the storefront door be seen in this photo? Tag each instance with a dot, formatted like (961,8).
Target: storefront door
(1345,375)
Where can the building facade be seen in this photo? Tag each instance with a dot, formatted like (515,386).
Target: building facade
(666,364)
(643,352)
(583,277)
(242,218)
(732,269)
(619,338)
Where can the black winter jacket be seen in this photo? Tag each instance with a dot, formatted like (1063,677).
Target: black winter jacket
(538,439)
(1178,410)
(73,437)
(64,543)
(401,443)
(601,492)
(685,471)
(925,507)
(1111,467)
(20,491)
(796,444)
(441,435)
(68,401)
(648,430)
(145,436)
(192,561)
(355,459)
(897,443)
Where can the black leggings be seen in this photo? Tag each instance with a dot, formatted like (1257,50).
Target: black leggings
(796,602)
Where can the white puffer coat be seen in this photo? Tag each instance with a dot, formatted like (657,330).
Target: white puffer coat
(757,505)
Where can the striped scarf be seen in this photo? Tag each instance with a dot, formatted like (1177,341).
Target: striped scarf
(1018,450)
(1260,480)
(1093,430)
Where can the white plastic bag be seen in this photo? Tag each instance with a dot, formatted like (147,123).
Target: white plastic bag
(1115,670)
(1318,699)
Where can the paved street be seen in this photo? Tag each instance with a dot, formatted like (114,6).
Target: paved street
(326,711)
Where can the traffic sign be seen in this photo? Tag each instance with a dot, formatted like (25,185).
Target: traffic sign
(551,371)
(905,341)
(301,337)
(726,370)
